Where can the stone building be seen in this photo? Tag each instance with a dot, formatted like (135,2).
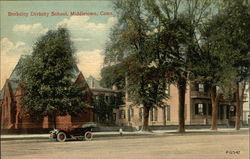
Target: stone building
(11,109)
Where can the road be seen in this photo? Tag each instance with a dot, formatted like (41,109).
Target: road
(198,146)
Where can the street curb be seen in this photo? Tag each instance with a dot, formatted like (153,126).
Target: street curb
(125,134)
(94,136)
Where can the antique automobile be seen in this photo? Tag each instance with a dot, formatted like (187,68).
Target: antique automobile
(83,132)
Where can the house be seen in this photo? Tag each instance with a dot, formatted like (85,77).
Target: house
(12,116)
(105,101)
(198,109)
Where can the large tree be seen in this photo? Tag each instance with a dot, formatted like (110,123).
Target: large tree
(113,75)
(180,21)
(161,34)
(224,54)
(134,45)
(236,26)
(214,61)
(48,78)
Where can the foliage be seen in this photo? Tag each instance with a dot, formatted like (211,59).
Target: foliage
(179,21)
(104,105)
(48,77)
(224,55)
(135,49)
(155,42)
(113,75)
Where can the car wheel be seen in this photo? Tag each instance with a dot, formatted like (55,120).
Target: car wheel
(88,136)
(61,136)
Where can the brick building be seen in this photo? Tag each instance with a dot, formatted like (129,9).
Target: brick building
(198,109)
(11,109)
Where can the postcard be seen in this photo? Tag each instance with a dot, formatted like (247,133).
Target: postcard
(106,79)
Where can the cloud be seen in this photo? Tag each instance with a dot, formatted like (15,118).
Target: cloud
(94,33)
(9,48)
(36,29)
(90,62)
(82,23)
(10,54)
(29,33)
(89,38)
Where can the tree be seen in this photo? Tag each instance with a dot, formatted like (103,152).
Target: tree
(113,75)
(48,78)
(160,34)
(224,59)
(134,45)
(215,62)
(180,21)
(104,107)
(237,26)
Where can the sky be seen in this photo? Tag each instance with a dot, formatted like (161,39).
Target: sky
(23,22)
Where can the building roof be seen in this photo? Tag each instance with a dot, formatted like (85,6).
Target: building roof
(95,86)
(14,78)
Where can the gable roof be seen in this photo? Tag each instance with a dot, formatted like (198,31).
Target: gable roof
(14,78)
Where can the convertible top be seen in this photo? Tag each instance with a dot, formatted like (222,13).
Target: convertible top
(88,125)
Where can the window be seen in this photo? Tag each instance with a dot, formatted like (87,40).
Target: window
(167,112)
(245,96)
(232,110)
(107,98)
(129,115)
(153,114)
(122,114)
(201,87)
(141,114)
(132,112)
(200,109)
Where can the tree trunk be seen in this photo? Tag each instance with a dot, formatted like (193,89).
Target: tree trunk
(145,118)
(181,84)
(215,103)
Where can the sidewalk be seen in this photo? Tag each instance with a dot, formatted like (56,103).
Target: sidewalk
(135,133)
